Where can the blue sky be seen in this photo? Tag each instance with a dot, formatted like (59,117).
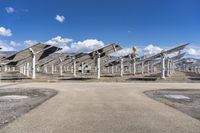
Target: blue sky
(128,22)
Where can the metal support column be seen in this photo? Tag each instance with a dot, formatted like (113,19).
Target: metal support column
(142,67)
(61,70)
(27,69)
(121,67)
(52,69)
(163,67)
(74,66)
(98,66)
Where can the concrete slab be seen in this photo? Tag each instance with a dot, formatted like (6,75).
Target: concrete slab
(13,97)
(180,97)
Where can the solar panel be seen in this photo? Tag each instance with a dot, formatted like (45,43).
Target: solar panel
(42,51)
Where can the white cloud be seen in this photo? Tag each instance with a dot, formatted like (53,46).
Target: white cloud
(122,52)
(68,45)
(193,52)
(14,44)
(86,45)
(60,18)
(151,50)
(29,43)
(59,41)
(5,32)
(75,47)
(5,47)
(10,10)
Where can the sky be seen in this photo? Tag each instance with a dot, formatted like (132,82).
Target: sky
(85,25)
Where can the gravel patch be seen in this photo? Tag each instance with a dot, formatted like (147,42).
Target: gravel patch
(16,102)
(184,100)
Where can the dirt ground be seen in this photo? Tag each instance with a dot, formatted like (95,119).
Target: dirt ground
(179,77)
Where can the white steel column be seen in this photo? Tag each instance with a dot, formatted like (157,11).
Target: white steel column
(38,69)
(61,70)
(33,69)
(45,69)
(24,72)
(112,69)
(173,67)
(163,67)
(148,67)
(64,68)
(168,67)
(184,67)
(152,67)
(9,69)
(142,67)
(121,67)
(196,69)
(82,67)
(52,69)
(134,66)
(5,68)
(55,69)
(27,69)
(20,69)
(108,69)
(155,69)
(71,69)
(130,67)
(74,66)
(116,68)
(98,66)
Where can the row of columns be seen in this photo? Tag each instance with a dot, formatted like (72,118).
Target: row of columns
(132,68)
(6,68)
(114,68)
(194,69)
(169,68)
(25,69)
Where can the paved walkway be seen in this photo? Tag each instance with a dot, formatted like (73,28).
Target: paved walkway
(104,108)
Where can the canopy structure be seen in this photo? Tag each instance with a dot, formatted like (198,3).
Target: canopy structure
(166,52)
(29,56)
(42,51)
(43,57)
(189,65)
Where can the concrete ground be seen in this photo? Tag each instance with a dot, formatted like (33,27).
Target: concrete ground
(103,108)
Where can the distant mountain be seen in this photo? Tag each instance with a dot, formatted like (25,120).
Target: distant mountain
(190,59)
(7,52)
